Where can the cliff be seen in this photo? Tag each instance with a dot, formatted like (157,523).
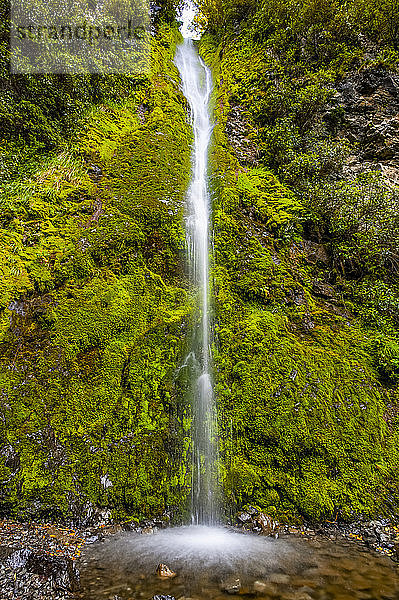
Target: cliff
(305,194)
(95,302)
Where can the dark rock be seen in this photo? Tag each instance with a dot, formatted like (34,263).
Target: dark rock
(61,571)
(365,111)
(238,136)
(163,597)
(315,253)
(12,461)
(231,585)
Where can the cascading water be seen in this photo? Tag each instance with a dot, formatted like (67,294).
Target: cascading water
(197,87)
(210,559)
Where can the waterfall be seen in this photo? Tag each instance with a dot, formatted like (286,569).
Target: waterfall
(197,87)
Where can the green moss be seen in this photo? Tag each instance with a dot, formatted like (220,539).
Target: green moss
(302,409)
(95,262)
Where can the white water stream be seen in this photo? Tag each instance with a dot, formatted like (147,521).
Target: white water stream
(197,87)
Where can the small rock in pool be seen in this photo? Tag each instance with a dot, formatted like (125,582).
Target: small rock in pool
(232,585)
(148,531)
(164,572)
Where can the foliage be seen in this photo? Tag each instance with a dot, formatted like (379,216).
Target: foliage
(95,305)
(302,370)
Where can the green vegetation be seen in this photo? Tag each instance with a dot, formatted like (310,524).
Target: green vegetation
(95,305)
(95,301)
(305,260)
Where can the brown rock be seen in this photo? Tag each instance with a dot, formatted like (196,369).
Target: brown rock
(269,527)
(164,572)
(231,585)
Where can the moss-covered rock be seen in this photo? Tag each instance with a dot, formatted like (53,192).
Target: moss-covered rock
(95,306)
(306,421)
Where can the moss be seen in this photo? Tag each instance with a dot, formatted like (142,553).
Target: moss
(302,409)
(98,307)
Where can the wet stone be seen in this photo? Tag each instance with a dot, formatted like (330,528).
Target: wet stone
(164,572)
(244,517)
(231,585)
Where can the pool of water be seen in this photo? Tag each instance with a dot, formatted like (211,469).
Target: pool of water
(210,562)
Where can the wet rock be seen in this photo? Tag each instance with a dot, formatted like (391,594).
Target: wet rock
(61,571)
(238,136)
(147,531)
(28,567)
(244,517)
(163,597)
(90,539)
(164,572)
(231,585)
(315,253)
(12,459)
(268,526)
(365,111)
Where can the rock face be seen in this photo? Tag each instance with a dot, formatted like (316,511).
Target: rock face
(238,134)
(365,109)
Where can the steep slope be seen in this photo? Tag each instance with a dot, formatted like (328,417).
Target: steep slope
(306,246)
(95,303)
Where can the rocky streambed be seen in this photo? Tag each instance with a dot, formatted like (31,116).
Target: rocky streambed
(43,561)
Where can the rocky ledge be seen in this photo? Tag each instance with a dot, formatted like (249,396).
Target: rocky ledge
(380,535)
